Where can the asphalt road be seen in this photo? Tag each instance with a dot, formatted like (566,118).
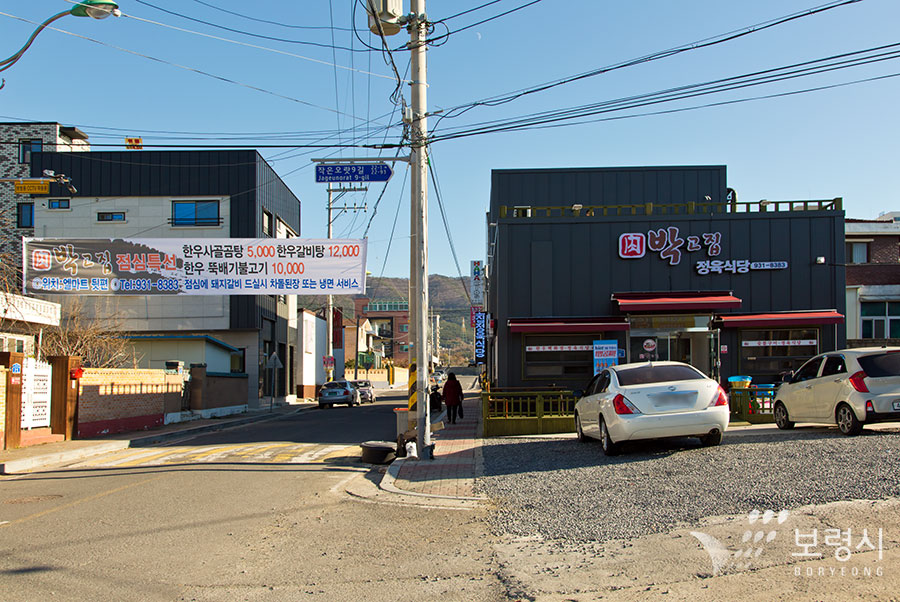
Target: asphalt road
(253,513)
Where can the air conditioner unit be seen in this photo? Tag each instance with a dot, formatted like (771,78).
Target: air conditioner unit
(388,13)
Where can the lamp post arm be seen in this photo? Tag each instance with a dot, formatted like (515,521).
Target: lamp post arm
(6,64)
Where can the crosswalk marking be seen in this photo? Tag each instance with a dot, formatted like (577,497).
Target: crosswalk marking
(273,453)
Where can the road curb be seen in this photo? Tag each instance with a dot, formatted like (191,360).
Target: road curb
(390,476)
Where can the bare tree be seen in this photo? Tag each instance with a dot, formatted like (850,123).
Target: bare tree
(99,342)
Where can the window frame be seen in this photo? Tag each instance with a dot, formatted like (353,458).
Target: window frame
(267,222)
(68,204)
(27,148)
(20,213)
(113,219)
(194,220)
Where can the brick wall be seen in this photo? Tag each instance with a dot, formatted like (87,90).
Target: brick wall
(10,235)
(113,400)
(884,249)
(2,408)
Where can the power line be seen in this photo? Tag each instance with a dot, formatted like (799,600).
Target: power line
(654,56)
(482,22)
(440,200)
(797,70)
(248,33)
(249,18)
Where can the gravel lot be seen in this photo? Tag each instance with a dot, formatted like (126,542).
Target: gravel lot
(561,489)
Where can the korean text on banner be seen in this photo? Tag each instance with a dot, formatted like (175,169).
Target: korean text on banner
(212,266)
(476,291)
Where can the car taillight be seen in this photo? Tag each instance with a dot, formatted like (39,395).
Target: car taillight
(870,408)
(857,382)
(720,400)
(623,406)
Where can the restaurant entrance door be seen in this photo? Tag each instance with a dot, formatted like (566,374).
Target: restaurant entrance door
(685,339)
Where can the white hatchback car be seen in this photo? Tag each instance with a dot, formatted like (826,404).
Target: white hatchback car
(651,400)
(849,387)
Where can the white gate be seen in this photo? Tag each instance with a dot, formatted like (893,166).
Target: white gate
(35,393)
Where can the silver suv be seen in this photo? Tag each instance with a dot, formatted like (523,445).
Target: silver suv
(849,388)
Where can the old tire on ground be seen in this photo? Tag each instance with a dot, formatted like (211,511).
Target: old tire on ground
(378,452)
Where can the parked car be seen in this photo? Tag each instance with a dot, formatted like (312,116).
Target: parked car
(651,400)
(338,391)
(366,390)
(849,388)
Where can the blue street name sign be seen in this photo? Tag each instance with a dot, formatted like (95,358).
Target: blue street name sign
(357,172)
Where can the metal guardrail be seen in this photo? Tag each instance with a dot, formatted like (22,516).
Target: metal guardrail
(527,412)
(686,208)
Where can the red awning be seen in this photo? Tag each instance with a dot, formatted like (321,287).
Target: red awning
(788,318)
(566,325)
(675,301)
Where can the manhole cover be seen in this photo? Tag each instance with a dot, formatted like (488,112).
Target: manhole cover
(32,499)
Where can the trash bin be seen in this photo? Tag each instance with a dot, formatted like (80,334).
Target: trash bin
(402,415)
(739,382)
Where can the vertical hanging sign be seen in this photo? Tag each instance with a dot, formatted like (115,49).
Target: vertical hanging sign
(480,337)
(476,289)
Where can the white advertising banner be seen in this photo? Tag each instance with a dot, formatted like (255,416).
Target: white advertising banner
(35,394)
(211,266)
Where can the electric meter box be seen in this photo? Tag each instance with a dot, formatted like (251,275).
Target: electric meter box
(388,12)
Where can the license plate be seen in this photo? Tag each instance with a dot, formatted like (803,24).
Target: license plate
(669,400)
(897,406)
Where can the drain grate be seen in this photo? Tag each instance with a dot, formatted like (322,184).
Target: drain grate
(32,499)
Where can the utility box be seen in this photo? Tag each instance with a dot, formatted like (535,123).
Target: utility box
(388,12)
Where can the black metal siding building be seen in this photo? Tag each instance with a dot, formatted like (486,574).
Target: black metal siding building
(662,257)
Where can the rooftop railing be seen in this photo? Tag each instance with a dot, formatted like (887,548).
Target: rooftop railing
(686,208)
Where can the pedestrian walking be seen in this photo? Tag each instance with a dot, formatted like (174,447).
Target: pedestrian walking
(453,396)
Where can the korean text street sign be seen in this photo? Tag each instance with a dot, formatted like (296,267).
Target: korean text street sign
(32,187)
(356,172)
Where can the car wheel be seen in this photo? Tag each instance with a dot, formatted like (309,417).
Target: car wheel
(610,448)
(781,417)
(847,420)
(578,430)
(712,438)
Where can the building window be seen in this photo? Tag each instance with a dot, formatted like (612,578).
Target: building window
(404,348)
(770,353)
(26,147)
(404,328)
(563,357)
(195,213)
(110,216)
(857,252)
(267,223)
(880,319)
(58,204)
(25,215)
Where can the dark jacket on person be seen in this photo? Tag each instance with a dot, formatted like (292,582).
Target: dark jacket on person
(453,392)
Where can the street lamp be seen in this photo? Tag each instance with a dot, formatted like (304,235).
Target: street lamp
(96,9)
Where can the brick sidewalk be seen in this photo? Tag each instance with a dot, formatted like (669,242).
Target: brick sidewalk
(457,458)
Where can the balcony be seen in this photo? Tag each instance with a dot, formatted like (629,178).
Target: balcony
(685,208)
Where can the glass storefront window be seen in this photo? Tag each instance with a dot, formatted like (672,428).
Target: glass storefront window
(767,354)
(560,357)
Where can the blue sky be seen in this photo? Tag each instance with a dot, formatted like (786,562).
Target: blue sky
(143,80)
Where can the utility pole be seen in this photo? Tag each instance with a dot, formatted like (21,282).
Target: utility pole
(419,200)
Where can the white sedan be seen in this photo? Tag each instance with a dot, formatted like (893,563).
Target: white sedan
(849,387)
(651,400)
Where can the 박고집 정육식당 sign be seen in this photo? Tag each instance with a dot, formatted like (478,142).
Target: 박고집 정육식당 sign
(213,266)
